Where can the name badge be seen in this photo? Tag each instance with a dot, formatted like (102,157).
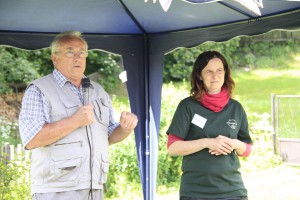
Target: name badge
(199,120)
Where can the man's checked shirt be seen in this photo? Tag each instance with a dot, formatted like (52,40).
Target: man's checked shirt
(35,111)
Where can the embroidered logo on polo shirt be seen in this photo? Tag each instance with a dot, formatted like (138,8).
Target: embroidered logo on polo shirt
(232,123)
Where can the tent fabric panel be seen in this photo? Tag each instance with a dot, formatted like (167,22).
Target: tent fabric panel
(137,93)
(165,43)
(181,15)
(56,16)
(27,41)
(111,16)
(156,82)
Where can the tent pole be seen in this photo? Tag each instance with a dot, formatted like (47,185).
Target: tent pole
(147,105)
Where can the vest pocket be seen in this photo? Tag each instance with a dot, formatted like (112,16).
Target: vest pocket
(101,109)
(66,171)
(65,164)
(104,167)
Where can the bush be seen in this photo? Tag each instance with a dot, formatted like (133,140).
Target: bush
(9,132)
(107,65)
(14,180)
(22,67)
(123,169)
(241,52)
(262,156)
(15,70)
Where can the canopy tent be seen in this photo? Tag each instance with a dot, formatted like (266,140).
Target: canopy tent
(141,32)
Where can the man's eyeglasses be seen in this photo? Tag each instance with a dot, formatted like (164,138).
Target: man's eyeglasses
(71,54)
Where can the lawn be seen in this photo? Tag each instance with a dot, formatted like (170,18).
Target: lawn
(254,88)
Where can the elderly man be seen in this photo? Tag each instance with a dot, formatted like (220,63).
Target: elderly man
(69,137)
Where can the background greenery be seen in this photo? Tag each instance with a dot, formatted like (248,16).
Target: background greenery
(19,67)
(261,65)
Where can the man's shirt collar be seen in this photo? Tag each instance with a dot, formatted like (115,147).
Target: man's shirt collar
(61,79)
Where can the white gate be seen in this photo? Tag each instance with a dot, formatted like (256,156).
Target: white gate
(286,125)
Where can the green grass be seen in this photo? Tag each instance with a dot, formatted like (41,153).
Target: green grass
(255,88)
(289,118)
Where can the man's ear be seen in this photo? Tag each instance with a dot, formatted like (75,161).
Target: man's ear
(53,58)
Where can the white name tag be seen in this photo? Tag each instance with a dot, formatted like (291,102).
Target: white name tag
(199,120)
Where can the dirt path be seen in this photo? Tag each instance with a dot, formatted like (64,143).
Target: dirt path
(278,183)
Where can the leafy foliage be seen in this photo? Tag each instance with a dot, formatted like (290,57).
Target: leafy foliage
(169,167)
(15,69)
(123,169)
(241,53)
(8,132)
(14,182)
(107,65)
(21,67)
(179,64)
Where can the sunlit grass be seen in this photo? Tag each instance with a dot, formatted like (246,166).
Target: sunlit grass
(255,88)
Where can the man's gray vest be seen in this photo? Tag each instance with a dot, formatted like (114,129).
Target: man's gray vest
(65,165)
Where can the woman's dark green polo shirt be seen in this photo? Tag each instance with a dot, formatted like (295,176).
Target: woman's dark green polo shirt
(205,175)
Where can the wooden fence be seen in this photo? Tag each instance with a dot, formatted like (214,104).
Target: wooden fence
(11,152)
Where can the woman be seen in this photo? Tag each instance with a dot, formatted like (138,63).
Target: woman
(210,131)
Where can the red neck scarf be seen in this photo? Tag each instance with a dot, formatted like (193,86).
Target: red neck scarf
(215,102)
